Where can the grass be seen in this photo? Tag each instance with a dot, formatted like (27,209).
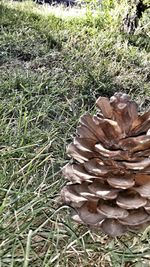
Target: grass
(52,68)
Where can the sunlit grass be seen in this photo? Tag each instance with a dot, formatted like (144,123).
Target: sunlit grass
(59,10)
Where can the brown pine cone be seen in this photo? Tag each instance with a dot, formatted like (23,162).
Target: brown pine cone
(109,181)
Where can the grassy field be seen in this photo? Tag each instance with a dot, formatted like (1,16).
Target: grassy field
(53,66)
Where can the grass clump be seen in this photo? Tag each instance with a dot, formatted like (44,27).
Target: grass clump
(52,69)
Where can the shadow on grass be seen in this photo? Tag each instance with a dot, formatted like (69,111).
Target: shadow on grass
(141,40)
(24,35)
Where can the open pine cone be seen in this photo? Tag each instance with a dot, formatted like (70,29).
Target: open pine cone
(109,179)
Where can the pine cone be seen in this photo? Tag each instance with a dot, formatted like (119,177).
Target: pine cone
(109,179)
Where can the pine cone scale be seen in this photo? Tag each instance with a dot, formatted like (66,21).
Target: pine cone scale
(89,215)
(135,217)
(102,190)
(113,212)
(113,227)
(104,105)
(141,124)
(144,190)
(130,201)
(121,182)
